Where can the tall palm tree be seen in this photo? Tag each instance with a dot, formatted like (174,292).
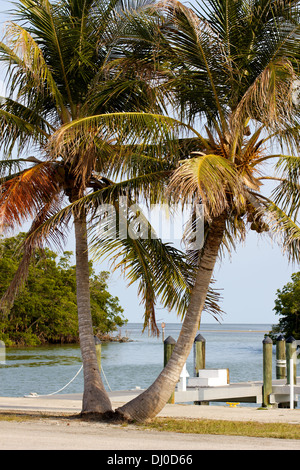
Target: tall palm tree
(55,55)
(232,68)
(58,72)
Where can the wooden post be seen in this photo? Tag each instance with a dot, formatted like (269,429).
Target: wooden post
(98,351)
(199,360)
(280,358)
(267,370)
(291,347)
(199,354)
(169,345)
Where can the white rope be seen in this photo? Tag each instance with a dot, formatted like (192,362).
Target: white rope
(105,378)
(33,394)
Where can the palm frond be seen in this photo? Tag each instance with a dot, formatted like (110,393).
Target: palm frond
(23,196)
(17,130)
(164,274)
(287,192)
(32,77)
(208,177)
(269,99)
(285,229)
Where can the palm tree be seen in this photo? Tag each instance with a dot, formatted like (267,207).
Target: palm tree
(56,56)
(231,68)
(60,79)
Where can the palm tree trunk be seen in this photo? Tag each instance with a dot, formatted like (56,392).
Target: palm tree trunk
(95,397)
(150,403)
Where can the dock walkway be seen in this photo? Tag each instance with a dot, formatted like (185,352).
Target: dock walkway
(243,392)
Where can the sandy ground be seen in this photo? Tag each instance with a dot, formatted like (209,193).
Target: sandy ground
(58,433)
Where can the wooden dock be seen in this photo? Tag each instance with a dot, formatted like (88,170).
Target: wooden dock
(243,392)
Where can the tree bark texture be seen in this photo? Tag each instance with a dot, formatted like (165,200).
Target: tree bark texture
(150,403)
(95,397)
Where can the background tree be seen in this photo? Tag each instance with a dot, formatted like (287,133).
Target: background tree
(45,309)
(287,306)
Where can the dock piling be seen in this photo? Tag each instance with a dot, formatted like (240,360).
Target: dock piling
(199,359)
(267,370)
(199,354)
(169,345)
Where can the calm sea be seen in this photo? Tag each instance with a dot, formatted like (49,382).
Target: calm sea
(45,370)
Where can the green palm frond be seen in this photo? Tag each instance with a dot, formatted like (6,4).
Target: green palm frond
(208,178)
(20,130)
(11,167)
(131,128)
(114,134)
(285,229)
(164,274)
(287,191)
(289,167)
(33,76)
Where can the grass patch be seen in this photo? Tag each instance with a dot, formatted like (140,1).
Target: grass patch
(32,416)
(189,426)
(229,428)
(17,417)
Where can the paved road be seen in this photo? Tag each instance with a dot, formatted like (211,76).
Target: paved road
(59,434)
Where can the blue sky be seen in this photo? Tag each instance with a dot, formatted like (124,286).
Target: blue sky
(248,280)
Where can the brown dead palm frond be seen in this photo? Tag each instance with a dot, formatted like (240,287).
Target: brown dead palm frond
(23,196)
(269,99)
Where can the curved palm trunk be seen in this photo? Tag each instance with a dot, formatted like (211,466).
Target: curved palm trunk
(150,403)
(95,397)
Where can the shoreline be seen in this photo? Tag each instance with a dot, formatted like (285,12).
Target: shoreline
(71,403)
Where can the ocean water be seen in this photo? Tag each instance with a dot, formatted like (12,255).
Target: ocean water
(45,370)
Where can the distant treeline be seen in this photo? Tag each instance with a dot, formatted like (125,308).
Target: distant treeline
(45,310)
